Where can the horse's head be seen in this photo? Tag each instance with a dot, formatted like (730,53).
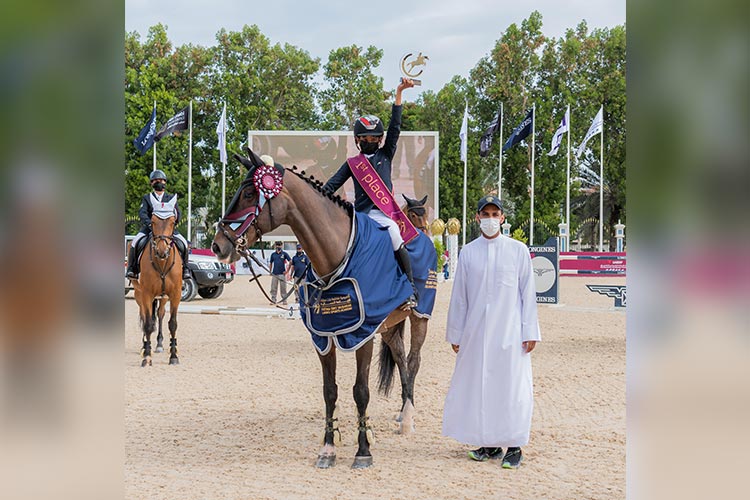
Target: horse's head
(417,212)
(260,205)
(162,231)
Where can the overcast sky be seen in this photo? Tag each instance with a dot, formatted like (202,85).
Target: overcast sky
(455,34)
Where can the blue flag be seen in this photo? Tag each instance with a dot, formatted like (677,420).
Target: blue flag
(145,139)
(520,132)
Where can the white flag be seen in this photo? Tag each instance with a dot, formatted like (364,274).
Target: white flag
(464,132)
(558,137)
(595,128)
(221,132)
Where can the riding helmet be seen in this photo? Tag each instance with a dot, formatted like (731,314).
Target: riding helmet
(368,125)
(157,174)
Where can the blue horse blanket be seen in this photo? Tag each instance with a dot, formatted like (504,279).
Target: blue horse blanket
(424,267)
(360,295)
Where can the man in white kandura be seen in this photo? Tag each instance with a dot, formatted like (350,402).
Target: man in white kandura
(493,326)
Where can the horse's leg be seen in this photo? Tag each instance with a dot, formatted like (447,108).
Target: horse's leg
(147,324)
(160,315)
(327,455)
(393,352)
(174,302)
(418,336)
(363,458)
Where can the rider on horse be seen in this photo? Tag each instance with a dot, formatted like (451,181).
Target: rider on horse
(368,134)
(160,197)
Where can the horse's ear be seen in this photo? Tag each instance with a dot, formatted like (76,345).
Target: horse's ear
(257,162)
(423,200)
(245,161)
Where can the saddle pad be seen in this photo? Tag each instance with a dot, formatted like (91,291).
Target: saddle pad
(371,283)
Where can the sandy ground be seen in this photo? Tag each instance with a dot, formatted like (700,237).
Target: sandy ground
(242,416)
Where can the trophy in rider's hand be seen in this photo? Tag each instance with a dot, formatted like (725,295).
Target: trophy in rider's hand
(412,65)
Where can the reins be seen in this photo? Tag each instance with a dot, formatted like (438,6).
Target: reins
(162,272)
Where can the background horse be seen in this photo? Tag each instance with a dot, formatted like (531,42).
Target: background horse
(392,347)
(323,225)
(160,279)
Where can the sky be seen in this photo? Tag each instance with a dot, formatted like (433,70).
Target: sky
(455,35)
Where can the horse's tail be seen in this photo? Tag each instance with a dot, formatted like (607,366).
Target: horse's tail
(387,363)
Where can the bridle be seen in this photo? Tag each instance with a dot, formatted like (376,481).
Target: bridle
(268,182)
(162,269)
(419,212)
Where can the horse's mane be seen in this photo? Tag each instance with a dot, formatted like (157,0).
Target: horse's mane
(318,186)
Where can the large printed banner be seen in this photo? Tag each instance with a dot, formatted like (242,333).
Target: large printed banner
(593,263)
(321,153)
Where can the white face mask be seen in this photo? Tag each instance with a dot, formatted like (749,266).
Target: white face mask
(490,227)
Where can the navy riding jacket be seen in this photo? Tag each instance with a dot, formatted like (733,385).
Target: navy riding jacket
(381,161)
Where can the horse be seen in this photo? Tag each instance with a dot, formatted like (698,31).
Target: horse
(392,348)
(160,280)
(323,223)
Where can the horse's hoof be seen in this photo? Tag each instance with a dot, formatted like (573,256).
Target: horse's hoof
(146,362)
(362,462)
(159,349)
(325,461)
(174,361)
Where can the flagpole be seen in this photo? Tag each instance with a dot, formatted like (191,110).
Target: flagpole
(190,171)
(567,185)
(533,133)
(224,163)
(154,144)
(500,168)
(601,185)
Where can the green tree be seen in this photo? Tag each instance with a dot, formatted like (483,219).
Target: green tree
(352,88)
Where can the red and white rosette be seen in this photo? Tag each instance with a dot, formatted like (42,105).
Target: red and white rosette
(268,181)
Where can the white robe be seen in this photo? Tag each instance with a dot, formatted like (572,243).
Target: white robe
(492,311)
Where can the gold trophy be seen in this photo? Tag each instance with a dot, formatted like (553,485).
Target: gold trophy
(410,66)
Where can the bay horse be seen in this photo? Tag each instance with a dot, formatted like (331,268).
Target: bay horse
(160,280)
(323,225)
(392,347)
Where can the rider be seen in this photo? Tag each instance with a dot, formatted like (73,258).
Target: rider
(368,134)
(158,181)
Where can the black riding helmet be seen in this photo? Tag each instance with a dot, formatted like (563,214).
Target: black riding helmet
(157,174)
(368,125)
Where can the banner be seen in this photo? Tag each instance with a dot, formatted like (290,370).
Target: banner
(177,122)
(558,137)
(595,128)
(486,142)
(520,132)
(145,139)
(221,128)
(464,132)
(545,264)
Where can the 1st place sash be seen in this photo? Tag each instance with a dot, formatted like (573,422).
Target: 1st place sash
(380,195)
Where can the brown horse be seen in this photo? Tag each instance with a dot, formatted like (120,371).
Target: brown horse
(160,280)
(392,348)
(323,225)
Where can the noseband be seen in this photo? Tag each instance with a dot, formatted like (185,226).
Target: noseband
(154,249)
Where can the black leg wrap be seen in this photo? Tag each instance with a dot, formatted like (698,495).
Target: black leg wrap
(402,257)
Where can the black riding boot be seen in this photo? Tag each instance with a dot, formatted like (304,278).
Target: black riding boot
(402,257)
(185,271)
(132,272)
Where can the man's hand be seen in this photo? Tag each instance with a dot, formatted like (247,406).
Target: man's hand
(529,346)
(455,348)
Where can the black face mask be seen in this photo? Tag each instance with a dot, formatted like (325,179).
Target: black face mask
(278,250)
(368,148)
(159,186)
